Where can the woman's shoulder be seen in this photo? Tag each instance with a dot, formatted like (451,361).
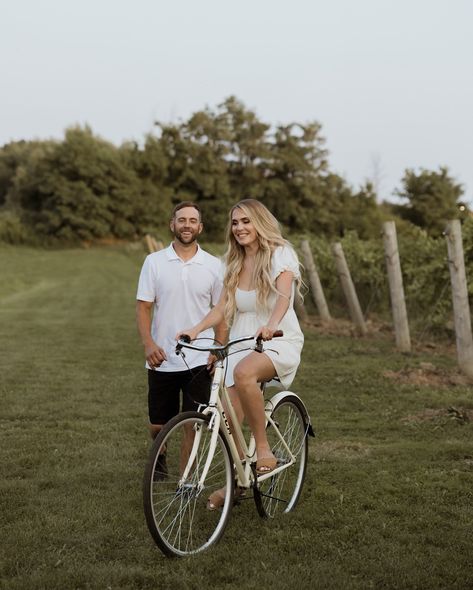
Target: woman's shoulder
(284,257)
(284,252)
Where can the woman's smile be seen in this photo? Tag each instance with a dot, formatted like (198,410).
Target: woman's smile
(242,229)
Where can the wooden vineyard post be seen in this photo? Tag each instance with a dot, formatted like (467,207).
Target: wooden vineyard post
(157,245)
(314,281)
(152,245)
(461,307)
(396,289)
(349,289)
(149,243)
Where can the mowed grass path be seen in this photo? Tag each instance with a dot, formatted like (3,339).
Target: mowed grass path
(387,501)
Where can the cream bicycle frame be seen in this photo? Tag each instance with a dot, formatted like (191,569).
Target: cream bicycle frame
(216,410)
(208,451)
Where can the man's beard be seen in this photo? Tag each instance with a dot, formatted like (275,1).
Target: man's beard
(189,240)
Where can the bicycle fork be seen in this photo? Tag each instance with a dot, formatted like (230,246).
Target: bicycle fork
(195,456)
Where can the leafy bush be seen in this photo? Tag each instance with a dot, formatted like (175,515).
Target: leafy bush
(12,230)
(365,259)
(425,271)
(85,188)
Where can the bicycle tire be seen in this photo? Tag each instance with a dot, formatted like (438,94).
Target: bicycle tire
(176,511)
(280,493)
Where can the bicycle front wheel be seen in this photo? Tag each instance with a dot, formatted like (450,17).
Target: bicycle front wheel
(280,493)
(175,505)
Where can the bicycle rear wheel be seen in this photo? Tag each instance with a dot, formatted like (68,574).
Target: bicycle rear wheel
(175,505)
(280,493)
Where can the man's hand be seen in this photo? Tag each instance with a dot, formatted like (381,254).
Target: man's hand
(210,363)
(155,355)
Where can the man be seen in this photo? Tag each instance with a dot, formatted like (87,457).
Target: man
(177,288)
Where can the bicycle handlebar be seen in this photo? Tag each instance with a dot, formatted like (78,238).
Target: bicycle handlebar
(184,342)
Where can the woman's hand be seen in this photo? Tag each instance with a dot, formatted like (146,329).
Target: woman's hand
(266,332)
(191,332)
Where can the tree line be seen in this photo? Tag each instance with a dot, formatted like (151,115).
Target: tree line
(86,188)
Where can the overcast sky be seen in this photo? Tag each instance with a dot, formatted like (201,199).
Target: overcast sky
(391,81)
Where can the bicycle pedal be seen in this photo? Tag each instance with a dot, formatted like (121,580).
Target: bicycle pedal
(238,495)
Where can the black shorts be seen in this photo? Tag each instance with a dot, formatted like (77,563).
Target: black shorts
(164,388)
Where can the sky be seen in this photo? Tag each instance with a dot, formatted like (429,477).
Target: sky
(390,81)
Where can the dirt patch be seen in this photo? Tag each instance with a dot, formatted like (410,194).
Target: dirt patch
(440,347)
(460,415)
(344,327)
(427,374)
(332,328)
(335,449)
(378,327)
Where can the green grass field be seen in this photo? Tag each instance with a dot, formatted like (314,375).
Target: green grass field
(388,501)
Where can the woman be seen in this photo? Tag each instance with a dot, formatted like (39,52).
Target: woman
(258,295)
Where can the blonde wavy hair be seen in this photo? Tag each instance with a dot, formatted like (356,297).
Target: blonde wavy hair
(269,238)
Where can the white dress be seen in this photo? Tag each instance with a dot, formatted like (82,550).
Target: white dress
(284,352)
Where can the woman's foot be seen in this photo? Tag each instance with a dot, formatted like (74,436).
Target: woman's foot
(217,499)
(265,463)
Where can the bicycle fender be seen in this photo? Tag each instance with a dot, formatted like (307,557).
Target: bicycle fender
(279,396)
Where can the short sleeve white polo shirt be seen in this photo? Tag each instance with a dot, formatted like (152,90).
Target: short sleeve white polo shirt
(183,293)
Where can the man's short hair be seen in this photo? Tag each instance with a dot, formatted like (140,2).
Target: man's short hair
(180,206)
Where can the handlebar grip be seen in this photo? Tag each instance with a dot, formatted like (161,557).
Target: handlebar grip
(277,334)
(182,338)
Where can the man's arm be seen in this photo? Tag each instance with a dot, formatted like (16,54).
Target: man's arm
(154,354)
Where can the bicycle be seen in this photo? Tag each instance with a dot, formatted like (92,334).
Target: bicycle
(196,453)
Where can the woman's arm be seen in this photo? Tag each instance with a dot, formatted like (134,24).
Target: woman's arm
(284,287)
(215,317)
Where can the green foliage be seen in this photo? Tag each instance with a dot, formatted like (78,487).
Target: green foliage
(426,279)
(432,199)
(293,175)
(365,259)
(219,157)
(12,230)
(14,158)
(85,188)
(426,276)
(198,170)
(467,236)
(362,213)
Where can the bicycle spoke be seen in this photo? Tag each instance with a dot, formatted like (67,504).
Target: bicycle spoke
(175,507)
(280,492)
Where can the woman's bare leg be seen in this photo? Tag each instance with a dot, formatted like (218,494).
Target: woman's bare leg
(249,372)
(217,499)
(247,400)
(236,405)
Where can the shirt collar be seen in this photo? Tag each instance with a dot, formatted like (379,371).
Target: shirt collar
(198,257)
